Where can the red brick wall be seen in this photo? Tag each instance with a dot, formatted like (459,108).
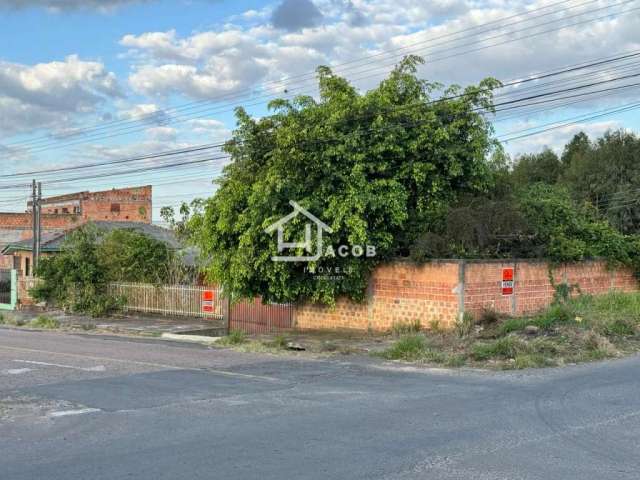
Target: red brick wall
(402,292)
(24,221)
(133,205)
(533,290)
(399,292)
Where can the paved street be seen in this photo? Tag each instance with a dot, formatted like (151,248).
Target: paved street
(89,407)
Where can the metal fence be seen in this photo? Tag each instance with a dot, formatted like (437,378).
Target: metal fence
(253,316)
(183,300)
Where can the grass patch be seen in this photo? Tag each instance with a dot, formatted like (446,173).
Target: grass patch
(413,348)
(279,342)
(235,337)
(44,321)
(406,328)
(505,348)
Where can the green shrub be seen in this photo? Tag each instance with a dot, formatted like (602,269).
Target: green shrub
(619,327)
(513,325)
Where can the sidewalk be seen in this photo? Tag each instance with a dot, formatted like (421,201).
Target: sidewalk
(149,325)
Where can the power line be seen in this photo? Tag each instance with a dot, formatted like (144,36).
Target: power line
(178,120)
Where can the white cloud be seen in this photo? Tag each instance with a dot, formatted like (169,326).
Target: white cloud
(47,94)
(211,127)
(239,58)
(145,112)
(64,5)
(162,133)
(556,139)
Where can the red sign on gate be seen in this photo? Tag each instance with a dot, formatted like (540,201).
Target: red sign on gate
(208,296)
(507,281)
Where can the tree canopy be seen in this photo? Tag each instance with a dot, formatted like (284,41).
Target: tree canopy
(376,167)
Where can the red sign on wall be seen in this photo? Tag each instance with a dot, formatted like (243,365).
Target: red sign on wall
(208,296)
(507,281)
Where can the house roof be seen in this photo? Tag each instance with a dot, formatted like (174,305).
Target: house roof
(52,241)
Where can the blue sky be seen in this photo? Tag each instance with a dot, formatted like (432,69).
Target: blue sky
(96,80)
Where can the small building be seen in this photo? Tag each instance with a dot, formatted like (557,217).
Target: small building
(21,251)
(64,212)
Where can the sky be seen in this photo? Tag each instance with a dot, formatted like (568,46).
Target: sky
(86,81)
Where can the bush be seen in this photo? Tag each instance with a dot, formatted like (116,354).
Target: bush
(76,278)
(619,327)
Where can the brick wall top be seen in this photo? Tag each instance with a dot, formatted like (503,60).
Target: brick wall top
(10,220)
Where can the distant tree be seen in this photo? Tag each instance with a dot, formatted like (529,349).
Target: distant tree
(543,167)
(578,147)
(607,175)
(183,225)
(376,167)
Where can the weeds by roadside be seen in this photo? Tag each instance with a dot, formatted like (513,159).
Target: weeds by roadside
(573,329)
(235,337)
(43,321)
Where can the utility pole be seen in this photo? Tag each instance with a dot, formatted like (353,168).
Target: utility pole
(39,225)
(34,216)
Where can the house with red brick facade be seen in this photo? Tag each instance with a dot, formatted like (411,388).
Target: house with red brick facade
(66,212)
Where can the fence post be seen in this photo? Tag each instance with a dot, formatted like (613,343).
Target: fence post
(461,274)
(226,313)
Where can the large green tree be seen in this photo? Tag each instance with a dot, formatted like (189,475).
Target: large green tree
(378,167)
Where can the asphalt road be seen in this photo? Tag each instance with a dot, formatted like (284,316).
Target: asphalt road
(89,407)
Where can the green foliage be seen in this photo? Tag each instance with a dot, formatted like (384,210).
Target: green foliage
(76,278)
(44,321)
(544,167)
(506,347)
(376,167)
(413,348)
(606,173)
(127,255)
(464,325)
(403,328)
(279,342)
(566,232)
(235,337)
(187,222)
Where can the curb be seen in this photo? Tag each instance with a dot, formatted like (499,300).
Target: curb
(190,338)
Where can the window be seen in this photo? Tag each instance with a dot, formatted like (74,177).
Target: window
(115,208)
(27,266)
(65,210)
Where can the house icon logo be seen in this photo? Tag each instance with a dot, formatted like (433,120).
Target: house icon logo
(307,245)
